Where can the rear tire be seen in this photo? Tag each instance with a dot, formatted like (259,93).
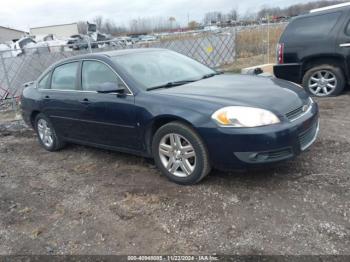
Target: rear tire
(324,80)
(47,135)
(180,154)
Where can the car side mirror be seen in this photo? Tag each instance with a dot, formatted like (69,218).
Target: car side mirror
(109,87)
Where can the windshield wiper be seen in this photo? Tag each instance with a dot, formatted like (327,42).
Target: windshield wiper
(179,83)
(171,84)
(211,75)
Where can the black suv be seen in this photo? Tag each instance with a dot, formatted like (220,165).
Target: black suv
(314,50)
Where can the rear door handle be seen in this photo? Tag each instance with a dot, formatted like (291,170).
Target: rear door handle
(85,101)
(345,45)
(47,97)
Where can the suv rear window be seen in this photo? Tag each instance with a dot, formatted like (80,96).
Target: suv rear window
(318,26)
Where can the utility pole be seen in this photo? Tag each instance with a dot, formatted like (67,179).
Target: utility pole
(268,38)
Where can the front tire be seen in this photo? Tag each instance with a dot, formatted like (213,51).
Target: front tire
(324,80)
(180,154)
(47,135)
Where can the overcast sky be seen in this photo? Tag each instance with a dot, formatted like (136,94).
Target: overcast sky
(23,14)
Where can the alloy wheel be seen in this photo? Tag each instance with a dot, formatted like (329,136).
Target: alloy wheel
(322,83)
(45,133)
(177,155)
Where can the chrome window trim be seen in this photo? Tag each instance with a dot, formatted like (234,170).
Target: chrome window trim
(85,91)
(81,91)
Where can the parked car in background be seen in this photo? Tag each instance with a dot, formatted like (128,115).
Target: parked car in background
(55,44)
(78,42)
(212,28)
(160,104)
(26,45)
(147,38)
(314,50)
(122,41)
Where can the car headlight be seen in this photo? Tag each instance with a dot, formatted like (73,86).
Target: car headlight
(240,116)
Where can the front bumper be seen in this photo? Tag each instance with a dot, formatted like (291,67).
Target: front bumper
(306,139)
(232,148)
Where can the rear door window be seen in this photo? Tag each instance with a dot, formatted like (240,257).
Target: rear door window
(65,77)
(44,82)
(317,26)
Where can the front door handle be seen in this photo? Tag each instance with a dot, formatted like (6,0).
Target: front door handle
(47,97)
(85,101)
(345,45)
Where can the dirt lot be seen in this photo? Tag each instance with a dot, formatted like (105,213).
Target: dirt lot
(88,201)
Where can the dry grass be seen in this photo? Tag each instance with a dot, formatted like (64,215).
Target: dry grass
(254,41)
(240,63)
(252,48)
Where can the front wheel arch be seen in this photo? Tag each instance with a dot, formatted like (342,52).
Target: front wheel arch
(158,123)
(202,165)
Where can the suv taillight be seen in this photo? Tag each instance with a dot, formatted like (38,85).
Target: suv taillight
(280,50)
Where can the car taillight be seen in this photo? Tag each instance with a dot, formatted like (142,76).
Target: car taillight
(280,55)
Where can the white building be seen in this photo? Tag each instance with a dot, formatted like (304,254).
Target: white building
(60,31)
(9,34)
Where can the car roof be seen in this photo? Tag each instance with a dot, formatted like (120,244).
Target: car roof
(111,54)
(316,12)
(330,8)
(102,55)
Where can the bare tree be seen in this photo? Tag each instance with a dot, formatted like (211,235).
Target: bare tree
(98,20)
(213,18)
(172,20)
(233,15)
(295,10)
(193,25)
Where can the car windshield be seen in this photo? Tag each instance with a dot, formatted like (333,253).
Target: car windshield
(154,69)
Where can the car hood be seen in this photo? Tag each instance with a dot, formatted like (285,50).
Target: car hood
(240,90)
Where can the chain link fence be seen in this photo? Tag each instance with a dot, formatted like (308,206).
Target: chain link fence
(235,48)
(256,45)
(211,49)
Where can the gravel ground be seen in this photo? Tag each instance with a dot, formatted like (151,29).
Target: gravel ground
(88,201)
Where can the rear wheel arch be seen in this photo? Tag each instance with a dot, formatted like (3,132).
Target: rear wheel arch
(47,130)
(33,116)
(336,61)
(324,79)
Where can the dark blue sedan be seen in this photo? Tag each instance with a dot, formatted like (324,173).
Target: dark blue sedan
(160,104)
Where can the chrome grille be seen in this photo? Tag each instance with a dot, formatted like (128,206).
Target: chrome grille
(299,111)
(295,113)
(307,137)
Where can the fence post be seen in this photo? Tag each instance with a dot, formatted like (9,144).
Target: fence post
(268,38)
(14,107)
(235,44)
(89,44)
